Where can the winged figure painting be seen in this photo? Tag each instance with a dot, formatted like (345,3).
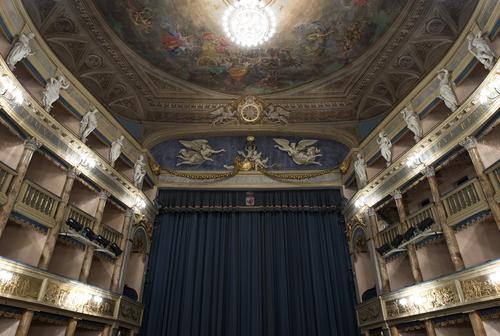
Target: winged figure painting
(196,152)
(302,153)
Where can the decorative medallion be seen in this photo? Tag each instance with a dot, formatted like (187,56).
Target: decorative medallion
(250,109)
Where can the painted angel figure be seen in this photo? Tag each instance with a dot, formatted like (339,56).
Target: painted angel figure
(196,152)
(52,90)
(385,147)
(139,171)
(20,50)
(360,170)
(88,123)
(412,122)
(116,150)
(481,49)
(302,153)
(446,92)
(223,115)
(277,115)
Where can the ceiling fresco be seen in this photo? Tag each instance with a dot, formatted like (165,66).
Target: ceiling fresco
(314,39)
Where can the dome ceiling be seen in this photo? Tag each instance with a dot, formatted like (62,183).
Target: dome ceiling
(335,65)
(313,39)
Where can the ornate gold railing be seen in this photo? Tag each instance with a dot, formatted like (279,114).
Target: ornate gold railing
(388,234)
(6,175)
(415,218)
(111,234)
(37,203)
(494,175)
(80,216)
(464,201)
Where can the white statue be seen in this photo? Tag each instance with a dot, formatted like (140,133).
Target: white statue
(277,115)
(413,122)
(197,152)
(385,145)
(481,49)
(20,50)
(301,153)
(52,89)
(88,123)
(252,155)
(139,171)
(360,170)
(223,115)
(116,150)
(446,92)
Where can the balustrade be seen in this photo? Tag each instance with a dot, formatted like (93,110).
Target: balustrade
(37,203)
(111,234)
(494,175)
(464,201)
(388,234)
(6,175)
(417,217)
(80,216)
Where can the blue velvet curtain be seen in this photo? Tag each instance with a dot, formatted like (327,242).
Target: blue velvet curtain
(280,268)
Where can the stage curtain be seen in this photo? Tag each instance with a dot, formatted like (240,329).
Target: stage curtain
(279,268)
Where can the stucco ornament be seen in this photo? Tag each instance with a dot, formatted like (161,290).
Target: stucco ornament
(277,115)
(139,171)
(360,170)
(116,150)
(446,92)
(385,145)
(52,90)
(223,115)
(481,49)
(412,122)
(250,158)
(196,152)
(20,50)
(302,153)
(88,123)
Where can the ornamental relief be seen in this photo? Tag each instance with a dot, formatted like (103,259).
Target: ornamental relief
(479,287)
(21,285)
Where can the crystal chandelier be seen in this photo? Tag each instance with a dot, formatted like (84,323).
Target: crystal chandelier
(249,23)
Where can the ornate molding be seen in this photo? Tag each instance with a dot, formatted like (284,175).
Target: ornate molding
(468,143)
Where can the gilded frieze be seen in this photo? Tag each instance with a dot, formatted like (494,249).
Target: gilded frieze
(130,311)
(370,313)
(19,285)
(479,287)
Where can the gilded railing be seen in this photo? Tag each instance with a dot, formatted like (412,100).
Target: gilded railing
(388,234)
(20,283)
(37,203)
(415,218)
(464,201)
(6,175)
(80,216)
(111,234)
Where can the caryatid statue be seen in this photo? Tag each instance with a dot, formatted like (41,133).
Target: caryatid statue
(412,122)
(446,91)
(481,49)
(52,90)
(20,50)
(116,150)
(88,123)
(139,171)
(360,170)
(385,145)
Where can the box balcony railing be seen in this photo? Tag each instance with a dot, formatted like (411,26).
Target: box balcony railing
(464,201)
(494,175)
(80,216)
(111,235)
(388,234)
(37,203)
(6,176)
(429,211)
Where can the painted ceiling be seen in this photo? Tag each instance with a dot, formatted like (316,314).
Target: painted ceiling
(314,39)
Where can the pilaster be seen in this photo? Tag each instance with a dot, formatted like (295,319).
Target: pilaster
(121,262)
(25,323)
(383,284)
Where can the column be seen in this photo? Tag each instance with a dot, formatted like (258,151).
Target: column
(394,331)
(477,324)
(383,284)
(470,144)
(89,251)
(411,249)
(30,146)
(448,233)
(71,328)
(120,263)
(24,324)
(429,327)
(106,331)
(50,243)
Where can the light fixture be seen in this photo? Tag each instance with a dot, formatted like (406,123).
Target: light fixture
(403,302)
(10,91)
(494,278)
(413,161)
(97,299)
(139,203)
(360,202)
(490,91)
(249,23)
(6,276)
(87,161)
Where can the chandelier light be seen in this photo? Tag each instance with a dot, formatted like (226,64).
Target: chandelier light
(249,23)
